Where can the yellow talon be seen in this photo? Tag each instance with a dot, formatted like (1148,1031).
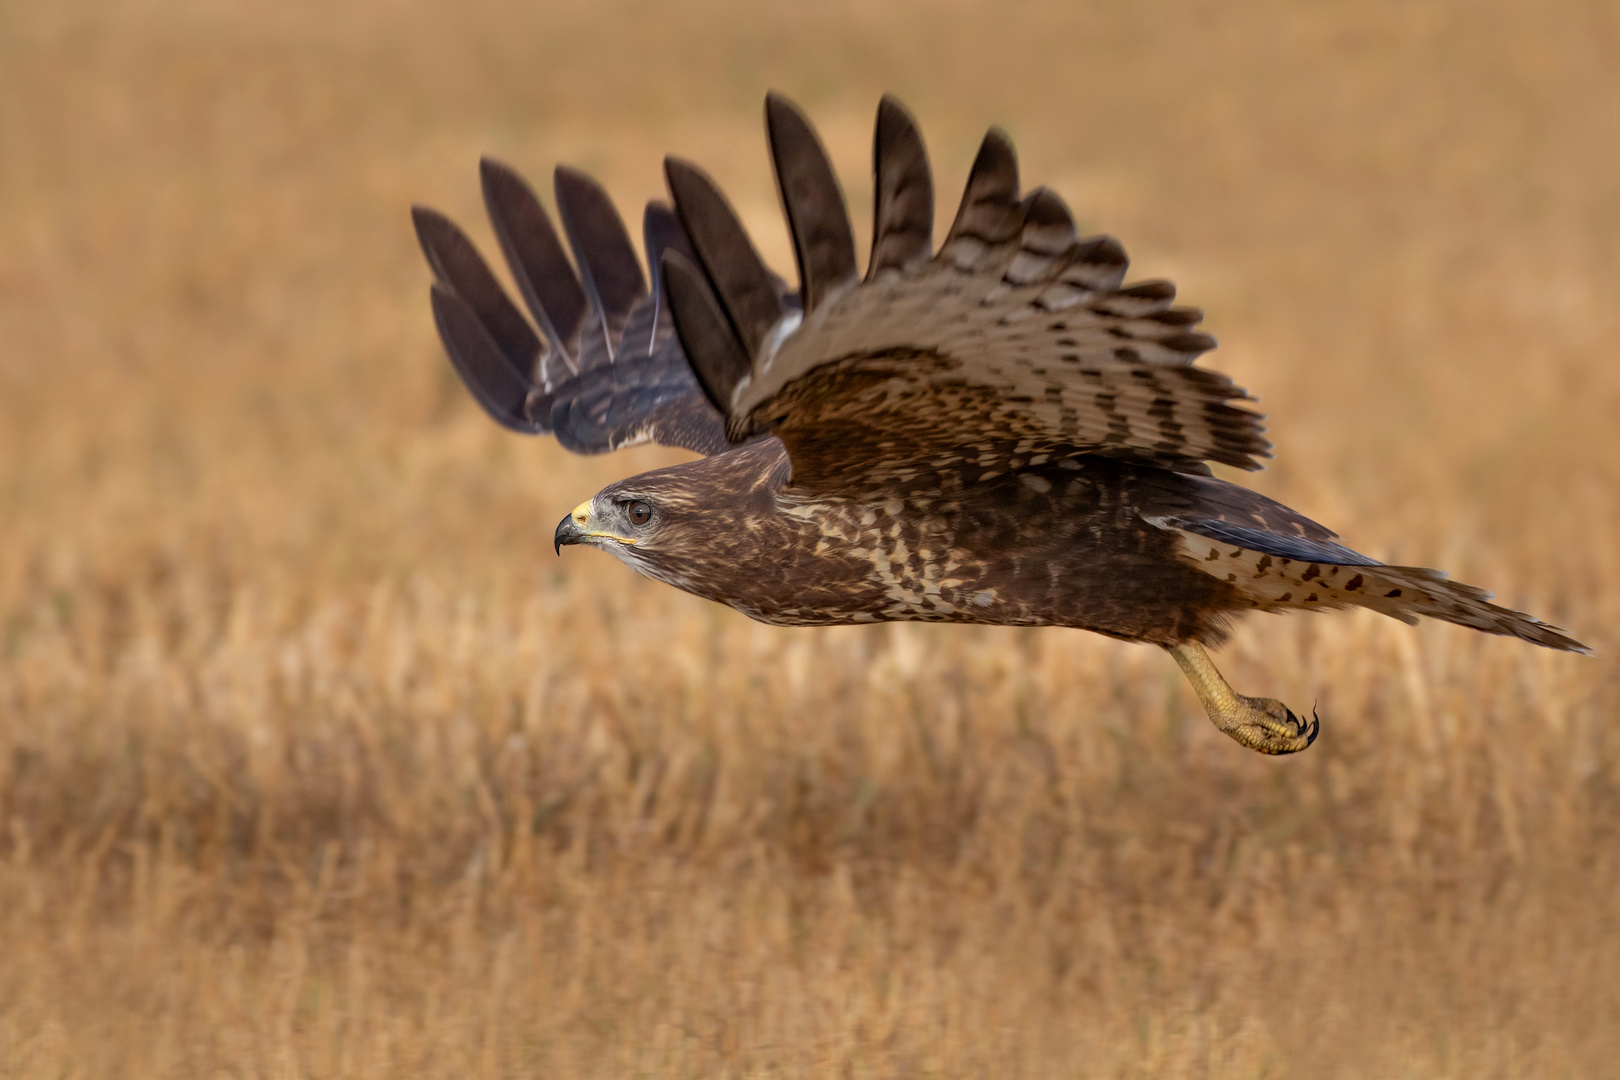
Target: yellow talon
(1262,724)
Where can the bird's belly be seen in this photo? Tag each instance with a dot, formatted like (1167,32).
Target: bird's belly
(1033,565)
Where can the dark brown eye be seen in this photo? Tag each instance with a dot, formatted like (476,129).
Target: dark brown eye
(640,513)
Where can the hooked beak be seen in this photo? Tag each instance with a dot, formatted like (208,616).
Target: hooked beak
(568,532)
(576,529)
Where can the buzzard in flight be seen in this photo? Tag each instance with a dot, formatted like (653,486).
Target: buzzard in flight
(1001,431)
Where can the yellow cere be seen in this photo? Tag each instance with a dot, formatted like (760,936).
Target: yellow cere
(582,516)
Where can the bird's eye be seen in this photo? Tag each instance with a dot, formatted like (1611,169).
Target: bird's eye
(640,512)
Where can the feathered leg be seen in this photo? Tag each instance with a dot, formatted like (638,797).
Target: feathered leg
(1262,724)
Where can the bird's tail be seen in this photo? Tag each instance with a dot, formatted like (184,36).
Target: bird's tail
(1291,573)
(1406,592)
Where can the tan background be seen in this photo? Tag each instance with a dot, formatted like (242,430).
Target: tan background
(314,761)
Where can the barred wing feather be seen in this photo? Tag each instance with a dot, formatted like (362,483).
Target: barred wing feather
(1017,339)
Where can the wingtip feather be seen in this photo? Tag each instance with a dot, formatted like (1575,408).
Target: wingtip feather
(493,383)
(535,255)
(903,201)
(714,351)
(608,267)
(823,242)
(741,283)
(990,214)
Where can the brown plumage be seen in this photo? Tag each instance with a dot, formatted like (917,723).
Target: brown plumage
(1001,432)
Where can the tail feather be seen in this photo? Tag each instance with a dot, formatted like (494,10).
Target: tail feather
(1415,591)
(1288,573)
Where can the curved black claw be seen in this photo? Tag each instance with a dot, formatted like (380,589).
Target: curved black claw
(1270,727)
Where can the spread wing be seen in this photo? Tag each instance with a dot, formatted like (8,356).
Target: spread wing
(605,368)
(1017,339)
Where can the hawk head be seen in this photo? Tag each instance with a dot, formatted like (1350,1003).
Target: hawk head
(694,525)
(634,519)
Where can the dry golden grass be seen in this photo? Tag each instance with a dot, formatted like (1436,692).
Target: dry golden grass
(314,762)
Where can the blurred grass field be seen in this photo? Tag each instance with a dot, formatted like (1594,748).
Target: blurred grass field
(315,762)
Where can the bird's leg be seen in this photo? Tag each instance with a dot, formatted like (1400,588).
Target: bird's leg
(1262,724)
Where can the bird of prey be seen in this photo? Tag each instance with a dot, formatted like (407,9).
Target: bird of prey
(1000,431)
